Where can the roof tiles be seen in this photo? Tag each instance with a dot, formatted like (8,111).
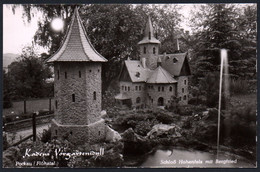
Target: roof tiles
(77,46)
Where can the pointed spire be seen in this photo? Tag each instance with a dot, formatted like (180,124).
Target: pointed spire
(76,45)
(149,34)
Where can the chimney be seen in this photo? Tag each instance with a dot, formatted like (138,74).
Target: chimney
(143,61)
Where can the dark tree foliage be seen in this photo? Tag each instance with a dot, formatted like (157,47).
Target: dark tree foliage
(230,27)
(7,103)
(114,29)
(27,76)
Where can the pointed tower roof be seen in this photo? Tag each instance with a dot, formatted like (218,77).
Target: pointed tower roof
(76,46)
(161,76)
(148,34)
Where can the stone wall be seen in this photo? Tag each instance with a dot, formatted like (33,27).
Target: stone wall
(136,90)
(182,90)
(151,59)
(153,94)
(82,80)
(80,134)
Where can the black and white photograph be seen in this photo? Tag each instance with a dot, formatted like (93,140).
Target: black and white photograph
(129,85)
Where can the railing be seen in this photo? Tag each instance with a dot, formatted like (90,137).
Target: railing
(25,123)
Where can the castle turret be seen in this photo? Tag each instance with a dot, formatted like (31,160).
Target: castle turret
(149,46)
(77,87)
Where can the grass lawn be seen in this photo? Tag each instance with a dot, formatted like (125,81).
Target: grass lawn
(31,106)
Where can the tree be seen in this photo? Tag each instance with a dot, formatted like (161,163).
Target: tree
(222,27)
(7,103)
(27,75)
(114,29)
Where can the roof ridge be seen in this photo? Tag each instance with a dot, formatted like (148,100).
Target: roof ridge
(86,36)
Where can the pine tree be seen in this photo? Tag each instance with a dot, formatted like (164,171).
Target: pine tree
(217,31)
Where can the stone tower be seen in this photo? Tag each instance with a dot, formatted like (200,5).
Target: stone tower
(149,47)
(77,87)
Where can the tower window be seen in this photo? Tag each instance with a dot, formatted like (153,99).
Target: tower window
(123,88)
(184,98)
(185,82)
(56,104)
(175,60)
(99,133)
(56,132)
(140,88)
(136,88)
(170,89)
(98,70)
(154,51)
(73,97)
(70,132)
(138,100)
(58,74)
(144,50)
(65,75)
(90,71)
(128,88)
(162,88)
(94,95)
(159,88)
(182,90)
(79,74)
(149,35)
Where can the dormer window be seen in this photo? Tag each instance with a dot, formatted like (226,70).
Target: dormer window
(175,60)
(137,74)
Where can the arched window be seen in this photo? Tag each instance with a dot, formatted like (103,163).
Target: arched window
(154,51)
(144,50)
(160,101)
(182,90)
(94,96)
(128,88)
(170,89)
(184,97)
(138,100)
(79,74)
(73,97)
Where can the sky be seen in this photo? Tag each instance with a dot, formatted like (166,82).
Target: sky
(18,33)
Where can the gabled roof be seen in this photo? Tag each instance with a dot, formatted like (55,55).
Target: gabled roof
(149,30)
(161,76)
(174,63)
(76,45)
(136,71)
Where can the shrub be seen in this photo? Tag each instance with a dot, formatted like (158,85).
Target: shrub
(239,86)
(242,127)
(165,118)
(46,135)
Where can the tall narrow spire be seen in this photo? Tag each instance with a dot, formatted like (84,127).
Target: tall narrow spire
(76,45)
(149,34)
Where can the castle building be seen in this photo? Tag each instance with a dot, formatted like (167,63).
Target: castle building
(156,79)
(77,87)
